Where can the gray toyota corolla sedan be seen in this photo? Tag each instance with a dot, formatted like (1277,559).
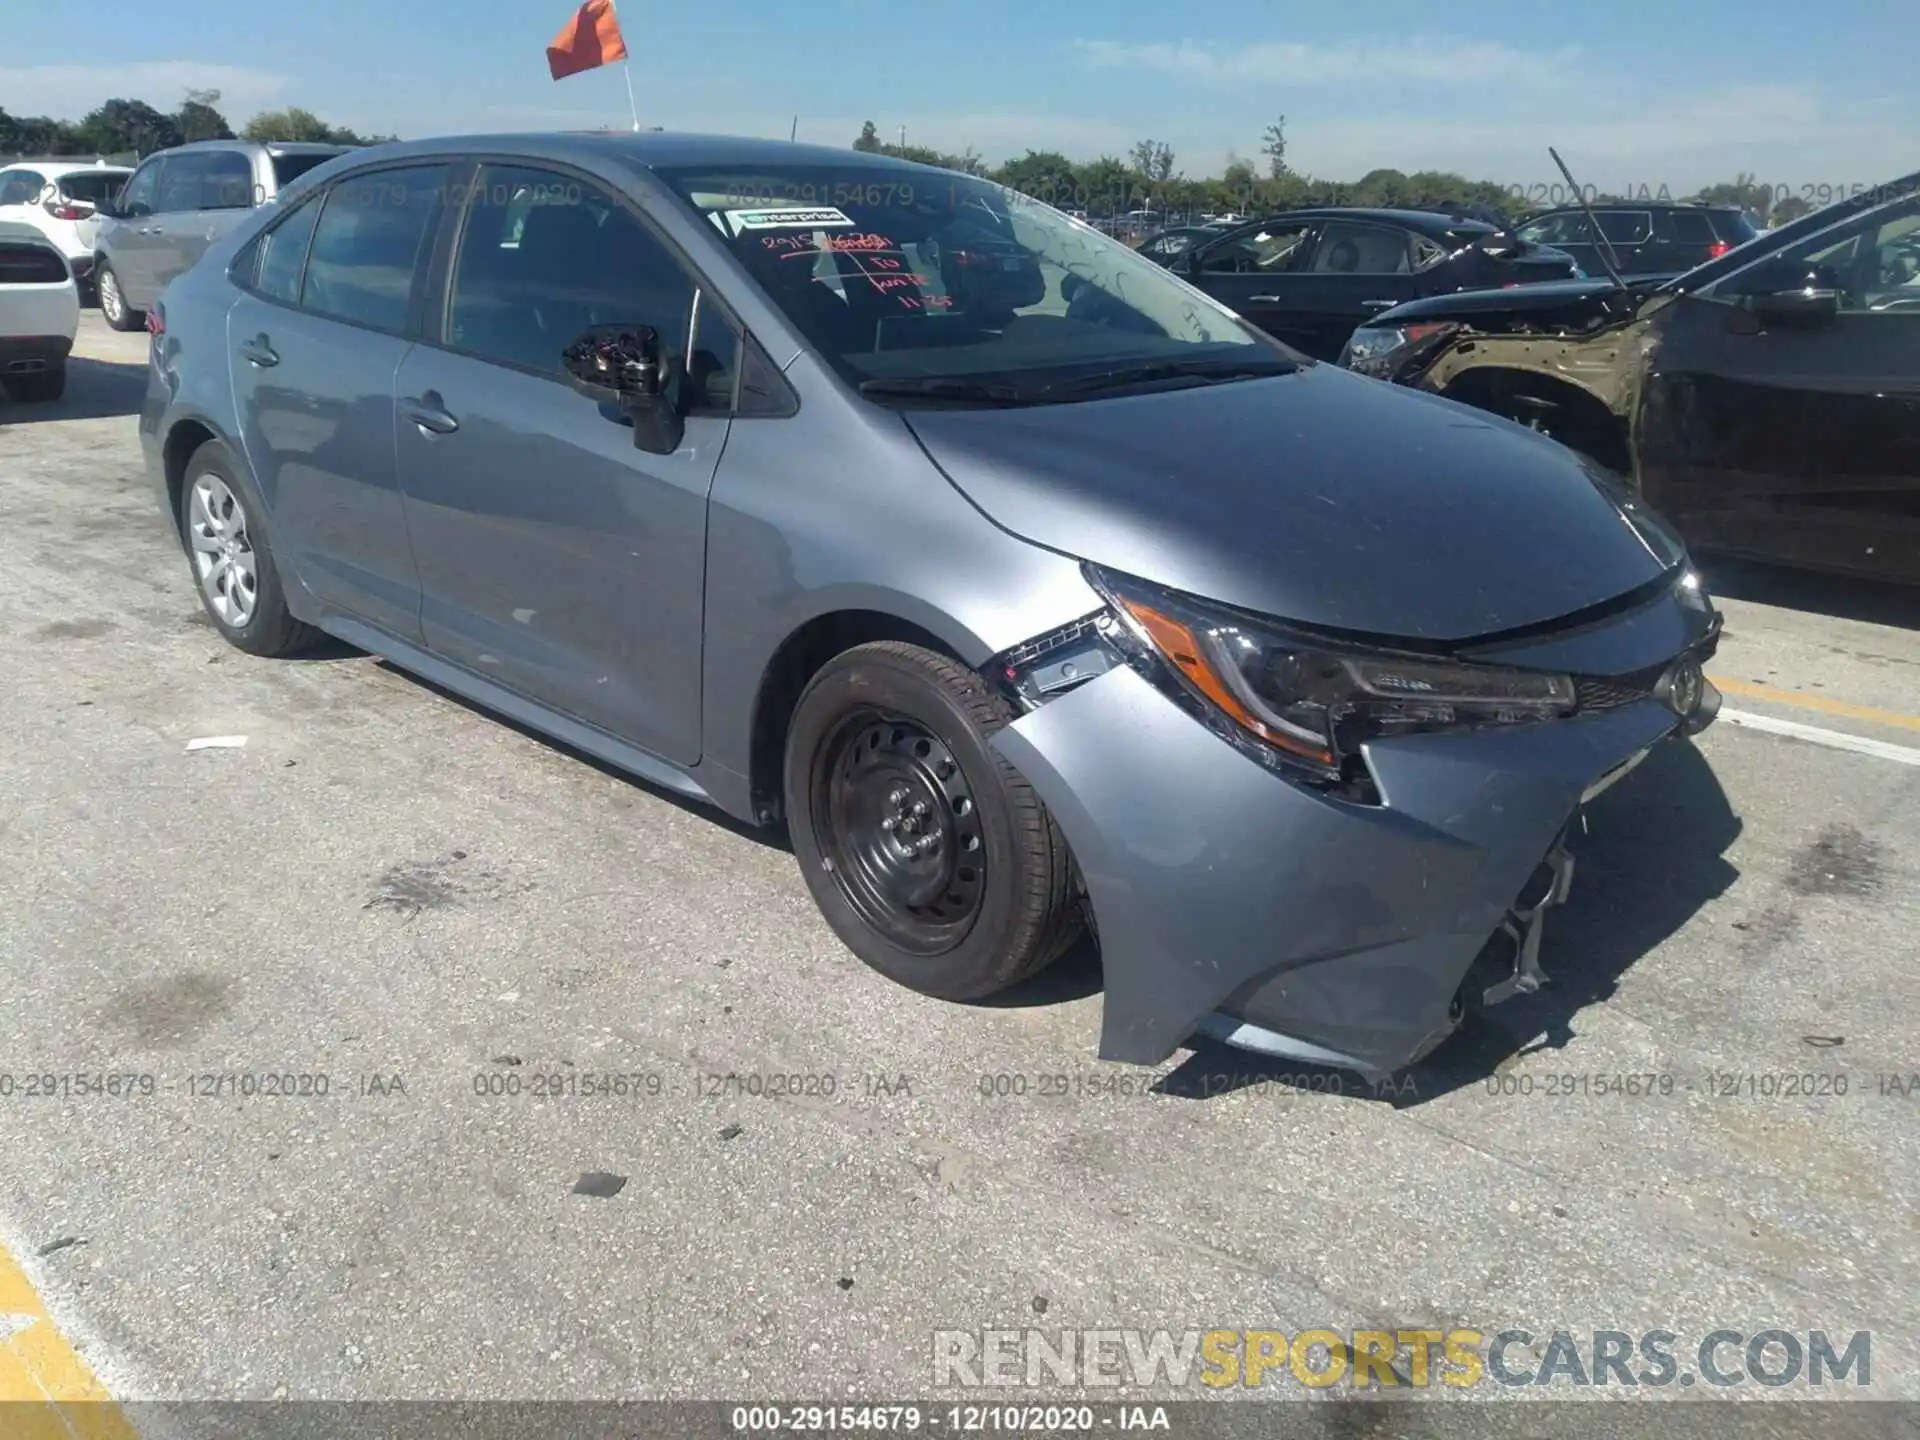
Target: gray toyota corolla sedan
(1026,585)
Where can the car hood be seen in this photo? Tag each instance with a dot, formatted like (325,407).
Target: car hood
(1538,296)
(1320,497)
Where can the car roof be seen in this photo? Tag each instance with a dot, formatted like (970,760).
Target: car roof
(67,166)
(652,149)
(1640,206)
(1431,222)
(271,147)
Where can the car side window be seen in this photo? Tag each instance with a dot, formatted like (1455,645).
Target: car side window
(370,243)
(1877,259)
(21,187)
(1626,227)
(142,188)
(1352,249)
(544,256)
(1262,251)
(181,179)
(227,183)
(283,254)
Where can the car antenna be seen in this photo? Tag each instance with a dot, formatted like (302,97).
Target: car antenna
(1611,260)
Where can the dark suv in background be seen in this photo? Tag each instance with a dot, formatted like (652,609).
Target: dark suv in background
(1647,239)
(176,204)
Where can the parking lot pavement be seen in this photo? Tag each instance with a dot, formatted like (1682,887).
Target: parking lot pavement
(390,895)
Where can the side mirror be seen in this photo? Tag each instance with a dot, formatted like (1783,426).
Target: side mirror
(1785,291)
(622,364)
(107,209)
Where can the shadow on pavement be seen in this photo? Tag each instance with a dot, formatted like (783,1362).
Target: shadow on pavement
(1653,855)
(1877,602)
(96,390)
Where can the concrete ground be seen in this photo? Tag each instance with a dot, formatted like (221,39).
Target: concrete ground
(429,908)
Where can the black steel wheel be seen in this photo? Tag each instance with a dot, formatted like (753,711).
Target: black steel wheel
(930,856)
(894,814)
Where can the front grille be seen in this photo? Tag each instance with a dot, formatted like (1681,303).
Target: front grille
(1612,691)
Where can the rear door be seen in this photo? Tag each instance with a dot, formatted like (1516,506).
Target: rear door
(1356,269)
(226,193)
(314,346)
(1797,440)
(556,558)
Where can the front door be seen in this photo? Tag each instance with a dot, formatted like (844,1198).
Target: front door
(1797,438)
(1356,270)
(1254,271)
(133,243)
(314,345)
(556,558)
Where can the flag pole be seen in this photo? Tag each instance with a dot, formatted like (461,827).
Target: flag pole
(626,70)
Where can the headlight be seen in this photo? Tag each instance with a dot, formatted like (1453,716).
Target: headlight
(1371,343)
(1305,702)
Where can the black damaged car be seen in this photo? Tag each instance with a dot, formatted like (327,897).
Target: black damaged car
(1767,402)
(1307,277)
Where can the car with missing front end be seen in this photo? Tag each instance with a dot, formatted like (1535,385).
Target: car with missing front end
(1021,606)
(1766,402)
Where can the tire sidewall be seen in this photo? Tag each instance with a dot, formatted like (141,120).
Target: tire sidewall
(889,683)
(124,319)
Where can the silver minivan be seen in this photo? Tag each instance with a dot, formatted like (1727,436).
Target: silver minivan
(176,204)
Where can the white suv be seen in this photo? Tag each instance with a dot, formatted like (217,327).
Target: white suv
(39,313)
(61,199)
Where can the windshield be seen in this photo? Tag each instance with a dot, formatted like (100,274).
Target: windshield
(910,274)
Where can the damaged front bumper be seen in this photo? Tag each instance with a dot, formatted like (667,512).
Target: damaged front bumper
(1235,903)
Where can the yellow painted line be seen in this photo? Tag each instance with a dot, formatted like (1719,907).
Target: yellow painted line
(1863,713)
(47,1392)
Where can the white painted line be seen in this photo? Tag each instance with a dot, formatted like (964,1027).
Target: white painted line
(1815,735)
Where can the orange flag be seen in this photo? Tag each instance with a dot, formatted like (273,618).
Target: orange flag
(589,40)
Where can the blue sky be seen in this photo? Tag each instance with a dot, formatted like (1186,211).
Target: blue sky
(1635,95)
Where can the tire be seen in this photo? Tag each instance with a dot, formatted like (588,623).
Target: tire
(888,727)
(232,566)
(41,386)
(113,300)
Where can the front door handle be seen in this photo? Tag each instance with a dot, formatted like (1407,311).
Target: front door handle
(428,413)
(1379,304)
(257,352)
(1266,299)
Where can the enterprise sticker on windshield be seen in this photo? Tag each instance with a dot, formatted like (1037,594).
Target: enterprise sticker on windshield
(794,218)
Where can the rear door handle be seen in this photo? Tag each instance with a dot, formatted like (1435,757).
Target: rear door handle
(1379,304)
(259,353)
(427,412)
(1266,299)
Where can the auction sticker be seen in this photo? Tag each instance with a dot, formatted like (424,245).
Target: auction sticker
(788,218)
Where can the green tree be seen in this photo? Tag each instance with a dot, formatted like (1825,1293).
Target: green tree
(121,125)
(197,119)
(1794,207)
(1153,160)
(1046,175)
(290,124)
(1743,190)
(1273,145)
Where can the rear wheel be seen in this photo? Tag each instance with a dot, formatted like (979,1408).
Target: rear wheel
(113,300)
(233,566)
(40,385)
(930,856)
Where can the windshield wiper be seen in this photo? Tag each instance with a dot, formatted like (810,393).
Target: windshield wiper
(946,387)
(1205,371)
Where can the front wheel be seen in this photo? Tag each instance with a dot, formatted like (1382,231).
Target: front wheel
(113,301)
(932,858)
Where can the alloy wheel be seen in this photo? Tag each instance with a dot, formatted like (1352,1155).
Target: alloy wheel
(111,304)
(898,827)
(223,555)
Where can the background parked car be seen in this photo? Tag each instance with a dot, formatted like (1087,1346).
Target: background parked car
(1664,239)
(176,204)
(61,199)
(1309,277)
(1780,419)
(1163,245)
(39,313)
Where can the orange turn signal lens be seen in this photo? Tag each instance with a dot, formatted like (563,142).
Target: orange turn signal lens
(1184,652)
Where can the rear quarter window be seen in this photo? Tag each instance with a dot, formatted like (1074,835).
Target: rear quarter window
(288,168)
(1691,227)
